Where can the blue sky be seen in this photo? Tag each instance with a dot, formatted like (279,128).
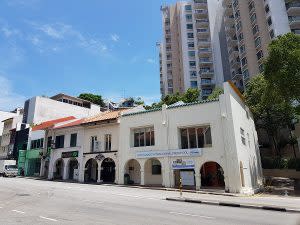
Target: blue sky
(102,47)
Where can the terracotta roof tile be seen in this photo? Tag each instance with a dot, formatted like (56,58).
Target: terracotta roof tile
(109,115)
(50,123)
(71,124)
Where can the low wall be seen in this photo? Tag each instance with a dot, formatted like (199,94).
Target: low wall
(293,174)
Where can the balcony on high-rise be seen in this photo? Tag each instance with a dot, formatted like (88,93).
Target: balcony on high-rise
(293,8)
(202,23)
(294,21)
(200,4)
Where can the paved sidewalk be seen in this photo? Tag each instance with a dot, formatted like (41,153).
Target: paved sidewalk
(287,204)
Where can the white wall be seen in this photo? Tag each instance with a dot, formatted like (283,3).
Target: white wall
(3,116)
(280,22)
(42,109)
(225,118)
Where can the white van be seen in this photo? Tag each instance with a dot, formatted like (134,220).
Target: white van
(8,168)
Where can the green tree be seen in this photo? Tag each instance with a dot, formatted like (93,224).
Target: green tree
(191,95)
(216,93)
(96,99)
(137,100)
(270,111)
(282,66)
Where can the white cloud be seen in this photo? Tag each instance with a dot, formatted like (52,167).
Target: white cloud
(115,37)
(64,34)
(8,32)
(151,61)
(9,100)
(23,3)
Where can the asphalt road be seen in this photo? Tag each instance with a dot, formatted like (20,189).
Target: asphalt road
(31,202)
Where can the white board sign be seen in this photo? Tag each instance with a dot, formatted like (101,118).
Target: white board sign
(169,153)
(183,164)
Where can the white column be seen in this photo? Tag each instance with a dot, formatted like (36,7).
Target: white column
(81,170)
(99,172)
(142,177)
(198,179)
(65,173)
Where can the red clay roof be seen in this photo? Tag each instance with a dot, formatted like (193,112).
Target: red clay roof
(109,115)
(71,124)
(50,123)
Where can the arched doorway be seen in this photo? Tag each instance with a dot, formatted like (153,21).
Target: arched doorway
(91,171)
(212,175)
(73,169)
(132,172)
(153,172)
(108,169)
(59,169)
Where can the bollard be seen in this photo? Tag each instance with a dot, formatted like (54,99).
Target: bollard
(180,187)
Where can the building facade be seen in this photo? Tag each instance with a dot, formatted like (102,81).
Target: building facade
(250,26)
(190,51)
(10,126)
(208,145)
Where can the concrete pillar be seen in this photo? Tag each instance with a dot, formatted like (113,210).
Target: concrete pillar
(99,172)
(166,173)
(198,179)
(42,169)
(65,169)
(142,177)
(81,167)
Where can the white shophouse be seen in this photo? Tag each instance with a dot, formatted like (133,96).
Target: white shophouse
(86,150)
(210,144)
(67,150)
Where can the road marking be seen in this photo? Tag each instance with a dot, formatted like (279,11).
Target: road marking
(17,211)
(186,214)
(46,218)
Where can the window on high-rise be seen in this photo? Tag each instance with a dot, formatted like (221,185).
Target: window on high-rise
(188,17)
(189,26)
(192,63)
(194,84)
(259,54)
(261,68)
(272,35)
(238,25)
(242,49)
(267,9)
(255,29)
(188,7)
(241,37)
(193,73)
(269,21)
(253,17)
(251,6)
(190,35)
(191,44)
(244,61)
(257,42)
(192,54)
(246,74)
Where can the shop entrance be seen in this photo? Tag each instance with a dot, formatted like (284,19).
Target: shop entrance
(108,170)
(187,178)
(73,169)
(59,169)
(212,175)
(91,171)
